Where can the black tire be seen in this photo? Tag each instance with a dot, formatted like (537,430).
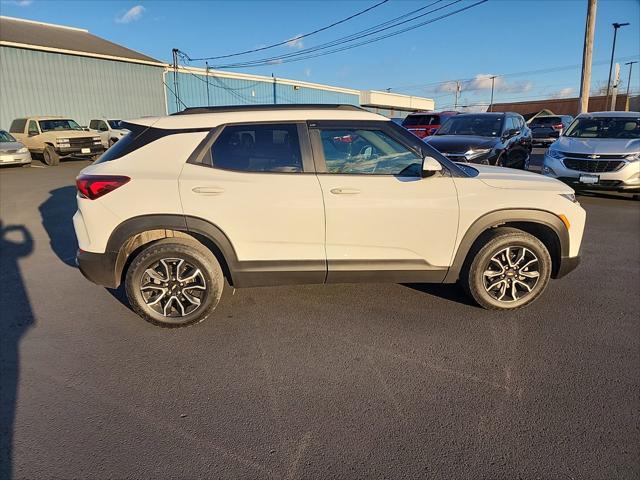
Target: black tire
(170,251)
(50,156)
(479,272)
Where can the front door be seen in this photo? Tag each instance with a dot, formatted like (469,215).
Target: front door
(257,184)
(31,139)
(384,221)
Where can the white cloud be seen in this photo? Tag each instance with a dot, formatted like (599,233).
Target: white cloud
(131,15)
(483,81)
(307,72)
(564,93)
(295,42)
(19,3)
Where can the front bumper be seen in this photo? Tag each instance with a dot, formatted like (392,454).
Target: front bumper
(99,268)
(567,265)
(624,179)
(15,158)
(543,140)
(79,151)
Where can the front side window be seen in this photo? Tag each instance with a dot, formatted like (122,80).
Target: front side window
(605,127)
(93,124)
(258,148)
(364,151)
(58,124)
(115,124)
(33,128)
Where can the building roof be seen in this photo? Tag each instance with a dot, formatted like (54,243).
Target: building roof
(16,32)
(559,106)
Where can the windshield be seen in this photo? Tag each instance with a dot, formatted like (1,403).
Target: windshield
(413,120)
(114,124)
(480,125)
(605,127)
(58,124)
(6,137)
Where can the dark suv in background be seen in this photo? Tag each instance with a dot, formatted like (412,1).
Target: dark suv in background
(546,129)
(423,124)
(501,139)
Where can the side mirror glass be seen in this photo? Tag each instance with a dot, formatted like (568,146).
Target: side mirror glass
(430,166)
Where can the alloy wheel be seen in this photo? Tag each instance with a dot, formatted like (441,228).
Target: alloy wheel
(173,287)
(511,274)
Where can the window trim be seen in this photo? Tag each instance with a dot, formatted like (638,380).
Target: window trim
(201,155)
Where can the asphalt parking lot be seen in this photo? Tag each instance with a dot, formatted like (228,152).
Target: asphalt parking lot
(340,381)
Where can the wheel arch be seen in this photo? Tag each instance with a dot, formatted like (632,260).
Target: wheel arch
(134,234)
(544,225)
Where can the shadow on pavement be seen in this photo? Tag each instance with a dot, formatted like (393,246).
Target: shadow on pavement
(451,292)
(57,219)
(16,318)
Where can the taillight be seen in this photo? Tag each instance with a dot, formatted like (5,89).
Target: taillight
(558,126)
(95,186)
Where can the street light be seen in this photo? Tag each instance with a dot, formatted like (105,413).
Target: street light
(616,26)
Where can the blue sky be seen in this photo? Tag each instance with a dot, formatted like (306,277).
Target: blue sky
(497,37)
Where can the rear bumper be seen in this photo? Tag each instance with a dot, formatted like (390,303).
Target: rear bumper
(567,265)
(99,268)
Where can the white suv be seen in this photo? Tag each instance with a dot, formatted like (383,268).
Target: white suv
(298,194)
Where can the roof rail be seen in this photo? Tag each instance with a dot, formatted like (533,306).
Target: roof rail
(279,106)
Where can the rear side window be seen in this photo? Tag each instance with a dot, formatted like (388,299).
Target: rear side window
(258,148)
(414,120)
(17,126)
(546,121)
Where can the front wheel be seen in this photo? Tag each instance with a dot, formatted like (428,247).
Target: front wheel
(508,269)
(50,156)
(174,283)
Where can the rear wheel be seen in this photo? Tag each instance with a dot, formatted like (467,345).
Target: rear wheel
(174,283)
(50,156)
(508,269)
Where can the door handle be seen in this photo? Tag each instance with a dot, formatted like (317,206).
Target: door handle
(345,191)
(208,190)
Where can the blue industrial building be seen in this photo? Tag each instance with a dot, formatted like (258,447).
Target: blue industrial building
(56,70)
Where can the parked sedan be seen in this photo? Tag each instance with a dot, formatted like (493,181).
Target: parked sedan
(12,152)
(599,151)
(501,139)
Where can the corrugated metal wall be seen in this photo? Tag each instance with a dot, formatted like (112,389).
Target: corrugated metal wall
(42,83)
(235,91)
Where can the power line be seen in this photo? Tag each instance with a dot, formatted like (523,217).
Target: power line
(299,37)
(512,74)
(354,36)
(375,39)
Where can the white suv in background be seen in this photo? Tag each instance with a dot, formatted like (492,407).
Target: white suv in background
(110,131)
(599,151)
(299,194)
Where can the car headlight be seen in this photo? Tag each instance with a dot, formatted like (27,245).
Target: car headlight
(96,139)
(62,140)
(553,153)
(570,196)
(475,153)
(23,150)
(633,157)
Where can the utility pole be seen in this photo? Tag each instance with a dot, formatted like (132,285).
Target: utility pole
(275,98)
(629,83)
(587,55)
(175,77)
(616,26)
(208,102)
(493,82)
(458,89)
(614,90)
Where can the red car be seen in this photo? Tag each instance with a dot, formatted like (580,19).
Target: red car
(423,124)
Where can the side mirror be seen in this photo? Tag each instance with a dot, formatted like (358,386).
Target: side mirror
(511,133)
(430,166)
(33,134)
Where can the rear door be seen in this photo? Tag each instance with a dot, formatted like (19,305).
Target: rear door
(384,221)
(257,184)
